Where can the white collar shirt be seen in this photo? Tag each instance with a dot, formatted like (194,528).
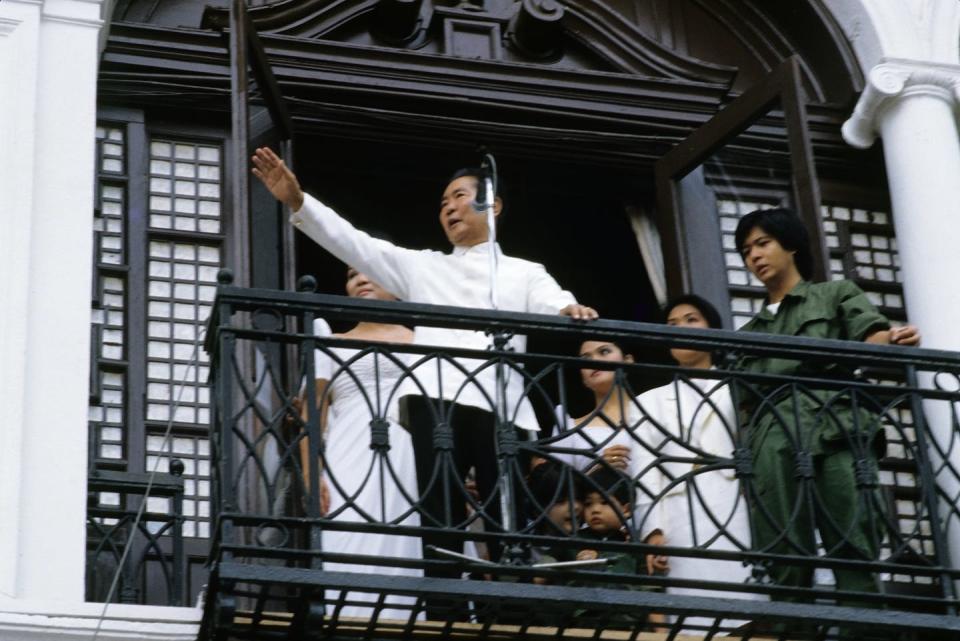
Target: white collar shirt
(460,278)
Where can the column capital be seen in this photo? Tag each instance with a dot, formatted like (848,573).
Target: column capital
(895,79)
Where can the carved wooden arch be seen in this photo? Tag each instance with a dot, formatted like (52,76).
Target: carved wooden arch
(591,23)
(754,26)
(600,28)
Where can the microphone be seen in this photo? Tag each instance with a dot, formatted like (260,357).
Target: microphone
(486,184)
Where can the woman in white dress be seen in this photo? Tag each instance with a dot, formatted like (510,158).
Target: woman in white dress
(607,434)
(361,484)
(600,433)
(690,425)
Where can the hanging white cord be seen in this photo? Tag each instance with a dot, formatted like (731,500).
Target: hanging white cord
(194,357)
(490,187)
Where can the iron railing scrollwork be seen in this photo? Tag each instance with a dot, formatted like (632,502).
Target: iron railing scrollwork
(140,555)
(708,449)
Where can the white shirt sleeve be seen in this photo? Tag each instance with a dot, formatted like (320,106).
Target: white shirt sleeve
(388,265)
(322,363)
(544,295)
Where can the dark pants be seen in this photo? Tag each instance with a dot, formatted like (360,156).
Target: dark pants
(449,439)
(787,510)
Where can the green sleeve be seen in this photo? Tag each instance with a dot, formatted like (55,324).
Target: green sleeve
(860,317)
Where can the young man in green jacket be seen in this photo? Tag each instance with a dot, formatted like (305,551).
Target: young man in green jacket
(814,450)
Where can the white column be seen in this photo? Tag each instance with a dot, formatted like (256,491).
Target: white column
(48,115)
(19,27)
(914,106)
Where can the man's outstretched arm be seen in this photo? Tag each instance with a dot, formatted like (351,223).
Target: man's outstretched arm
(387,264)
(277,177)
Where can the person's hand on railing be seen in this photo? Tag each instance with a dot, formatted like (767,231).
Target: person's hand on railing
(580,312)
(587,555)
(617,456)
(277,177)
(908,335)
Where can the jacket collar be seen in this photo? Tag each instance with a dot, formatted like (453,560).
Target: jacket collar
(479,248)
(799,292)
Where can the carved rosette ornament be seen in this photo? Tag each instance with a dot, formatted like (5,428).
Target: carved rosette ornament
(897,79)
(537,28)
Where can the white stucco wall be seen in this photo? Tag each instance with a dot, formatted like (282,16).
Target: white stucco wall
(47,111)
(49,52)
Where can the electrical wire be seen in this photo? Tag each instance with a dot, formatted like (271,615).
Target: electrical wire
(194,362)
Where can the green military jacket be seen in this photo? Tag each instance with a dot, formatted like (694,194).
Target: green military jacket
(809,418)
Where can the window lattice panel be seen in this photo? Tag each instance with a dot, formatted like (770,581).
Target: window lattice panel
(185,186)
(185,197)
(109,225)
(110,143)
(863,247)
(182,286)
(194,452)
(108,317)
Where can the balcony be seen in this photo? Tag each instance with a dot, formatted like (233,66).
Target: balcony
(135,550)
(500,563)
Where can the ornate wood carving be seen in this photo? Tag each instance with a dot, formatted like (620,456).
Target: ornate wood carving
(542,24)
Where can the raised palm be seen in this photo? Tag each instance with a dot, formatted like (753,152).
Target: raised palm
(277,177)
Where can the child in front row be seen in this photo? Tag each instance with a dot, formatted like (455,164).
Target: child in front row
(607,506)
(597,508)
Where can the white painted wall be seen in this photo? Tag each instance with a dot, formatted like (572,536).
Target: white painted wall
(915,29)
(19,29)
(49,51)
(50,54)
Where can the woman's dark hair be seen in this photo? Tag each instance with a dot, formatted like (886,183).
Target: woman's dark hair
(785,226)
(597,339)
(709,312)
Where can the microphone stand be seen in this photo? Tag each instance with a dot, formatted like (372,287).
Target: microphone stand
(506,435)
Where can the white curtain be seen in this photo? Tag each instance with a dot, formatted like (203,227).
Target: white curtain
(648,239)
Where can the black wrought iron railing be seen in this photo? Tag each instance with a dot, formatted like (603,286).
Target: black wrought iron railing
(135,552)
(806,506)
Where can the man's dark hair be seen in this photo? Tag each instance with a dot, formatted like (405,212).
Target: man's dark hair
(610,482)
(552,482)
(709,312)
(785,226)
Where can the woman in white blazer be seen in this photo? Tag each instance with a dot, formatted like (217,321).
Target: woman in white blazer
(687,478)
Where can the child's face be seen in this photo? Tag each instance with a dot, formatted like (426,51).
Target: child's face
(602,516)
(562,516)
